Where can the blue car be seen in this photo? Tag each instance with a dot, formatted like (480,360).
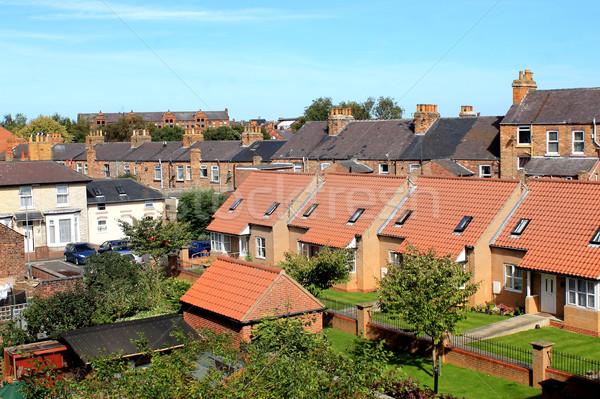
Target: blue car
(78,252)
(199,248)
(113,245)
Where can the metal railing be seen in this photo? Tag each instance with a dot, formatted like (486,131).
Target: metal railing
(572,364)
(12,312)
(494,350)
(391,322)
(341,308)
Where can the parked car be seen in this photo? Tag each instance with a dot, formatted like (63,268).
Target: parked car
(78,252)
(199,248)
(113,245)
(142,260)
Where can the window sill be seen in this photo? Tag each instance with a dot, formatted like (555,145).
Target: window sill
(552,154)
(577,154)
(260,257)
(523,145)
(513,290)
(582,307)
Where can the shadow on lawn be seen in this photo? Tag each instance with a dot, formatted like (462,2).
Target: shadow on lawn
(400,358)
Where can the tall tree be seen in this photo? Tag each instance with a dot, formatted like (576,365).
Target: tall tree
(14,124)
(196,207)
(317,111)
(360,111)
(166,133)
(329,267)
(221,133)
(387,108)
(429,292)
(43,124)
(123,128)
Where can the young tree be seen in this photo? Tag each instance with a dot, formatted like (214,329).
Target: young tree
(196,207)
(428,292)
(329,267)
(43,124)
(166,133)
(221,133)
(386,108)
(14,124)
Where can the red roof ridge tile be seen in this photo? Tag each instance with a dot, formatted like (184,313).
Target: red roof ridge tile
(466,178)
(271,269)
(364,176)
(562,181)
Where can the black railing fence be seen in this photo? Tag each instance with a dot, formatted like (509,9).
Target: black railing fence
(572,364)
(494,350)
(341,308)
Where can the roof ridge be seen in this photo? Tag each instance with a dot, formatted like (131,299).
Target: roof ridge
(558,181)
(466,178)
(363,175)
(270,269)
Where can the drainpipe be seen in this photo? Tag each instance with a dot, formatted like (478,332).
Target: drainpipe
(594,134)
(161,173)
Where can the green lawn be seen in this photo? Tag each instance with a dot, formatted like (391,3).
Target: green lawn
(458,381)
(476,319)
(349,297)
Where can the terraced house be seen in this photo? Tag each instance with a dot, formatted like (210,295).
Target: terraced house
(187,119)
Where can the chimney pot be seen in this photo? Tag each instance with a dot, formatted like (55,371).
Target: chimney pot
(522,85)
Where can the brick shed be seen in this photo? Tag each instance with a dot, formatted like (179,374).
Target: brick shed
(234,295)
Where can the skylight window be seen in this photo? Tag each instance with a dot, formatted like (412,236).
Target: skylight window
(235,204)
(463,224)
(402,219)
(97,192)
(520,227)
(310,210)
(120,190)
(272,209)
(356,215)
(596,238)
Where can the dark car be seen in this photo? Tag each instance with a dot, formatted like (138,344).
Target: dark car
(78,252)
(113,245)
(199,248)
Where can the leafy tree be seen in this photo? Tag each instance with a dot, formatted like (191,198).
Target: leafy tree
(166,133)
(428,292)
(221,133)
(15,124)
(319,110)
(43,124)
(196,207)
(360,111)
(387,108)
(329,267)
(123,128)
(266,135)
(79,131)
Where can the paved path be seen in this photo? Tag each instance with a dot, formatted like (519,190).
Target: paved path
(509,326)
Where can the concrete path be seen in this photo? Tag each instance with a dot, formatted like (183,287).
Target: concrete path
(509,326)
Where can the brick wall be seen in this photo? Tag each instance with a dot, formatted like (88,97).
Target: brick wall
(51,286)
(12,253)
(199,319)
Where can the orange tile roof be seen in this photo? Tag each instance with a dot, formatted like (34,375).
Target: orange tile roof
(258,192)
(439,204)
(234,288)
(338,198)
(564,217)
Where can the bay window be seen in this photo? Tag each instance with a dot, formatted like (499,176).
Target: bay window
(581,293)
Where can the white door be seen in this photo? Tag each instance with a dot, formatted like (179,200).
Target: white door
(243,246)
(548,293)
(28,233)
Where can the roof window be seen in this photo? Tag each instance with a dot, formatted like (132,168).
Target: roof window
(235,204)
(463,224)
(402,219)
(271,209)
(596,238)
(120,190)
(356,215)
(310,210)
(520,227)
(97,192)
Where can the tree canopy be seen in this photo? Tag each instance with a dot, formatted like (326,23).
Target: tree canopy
(14,124)
(123,128)
(196,207)
(43,124)
(221,133)
(320,272)
(427,291)
(166,133)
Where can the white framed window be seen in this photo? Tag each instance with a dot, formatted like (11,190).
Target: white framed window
(485,171)
(179,172)
(62,195)
(352,263)
(148,204)
(102,226)
(79,168)
(134,170)
(582,293)
(303,249)
(214,173)
(204,172)
(157,172)
(578,142)
(62,229)
(325,165)
(85,169)
(220,242)
(101,207)
(384,169)
(243,245)
(126,169)
(394,258)
(524,135)
(513,278)
(106,171)
(26,196)
(413,166)
(261,247)
(298,167)
(188,172)
(551,142)
(522,161)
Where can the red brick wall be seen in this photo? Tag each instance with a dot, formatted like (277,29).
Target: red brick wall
(12,253)
(51,286)
(199,319)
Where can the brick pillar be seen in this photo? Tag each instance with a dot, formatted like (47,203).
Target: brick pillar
(541,360)
(363,316)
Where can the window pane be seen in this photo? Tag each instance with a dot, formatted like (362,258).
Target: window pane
(572,298)
(591,301)
(581,299)
(518,284)
(64,229)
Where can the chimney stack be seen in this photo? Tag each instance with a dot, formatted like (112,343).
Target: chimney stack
(338,119)
(522,85)
(96,136)
(424,117)
(139,137)
(191,136)
(466,111)
(251,134)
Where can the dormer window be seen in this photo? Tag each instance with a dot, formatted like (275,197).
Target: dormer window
(120,190)
(402,219)
(97,192)
(310,210)
(596,238)
(235,204)
(520,227)
(355,215)
(272,209)
(463,224)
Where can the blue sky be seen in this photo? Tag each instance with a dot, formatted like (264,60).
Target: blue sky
(272,58)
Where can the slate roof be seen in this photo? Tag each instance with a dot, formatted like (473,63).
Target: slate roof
(116,338)
(338,199)
(69,151)
(439,204)
(37,172)
(218,150)
(354,166)
(263,148)
(258,192)
(564,216)
(303,141)
(235,288)
(454,167)
(133,190)
(158,116)
(573,106)
(559,166)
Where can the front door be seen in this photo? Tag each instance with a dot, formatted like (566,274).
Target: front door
(28,233)
(548,293)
